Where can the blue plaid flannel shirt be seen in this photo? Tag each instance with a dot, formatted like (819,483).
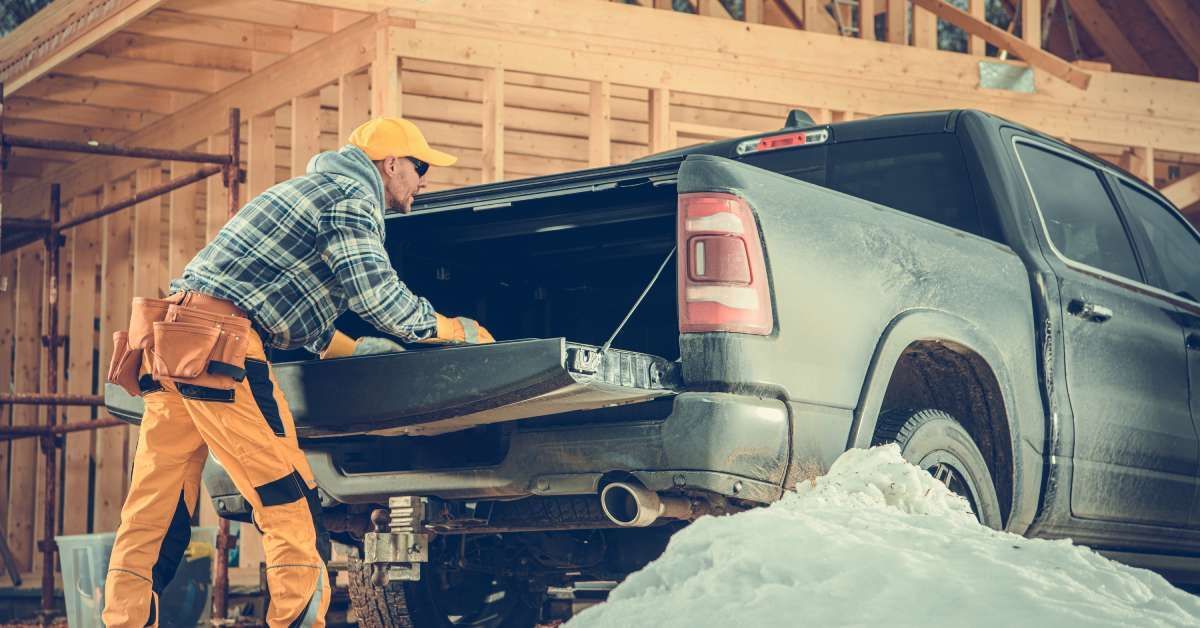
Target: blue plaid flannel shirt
(299,255)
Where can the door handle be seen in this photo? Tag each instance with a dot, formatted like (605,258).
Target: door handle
(1092,312)
(1193,341)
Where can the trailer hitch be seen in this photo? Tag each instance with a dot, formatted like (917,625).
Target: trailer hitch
(399,544)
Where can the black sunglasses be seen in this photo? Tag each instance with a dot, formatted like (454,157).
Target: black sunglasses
(420,166)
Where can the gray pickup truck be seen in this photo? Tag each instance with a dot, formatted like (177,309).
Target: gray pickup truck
(1020,316)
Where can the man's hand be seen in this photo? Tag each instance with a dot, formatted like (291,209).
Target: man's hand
(461,329)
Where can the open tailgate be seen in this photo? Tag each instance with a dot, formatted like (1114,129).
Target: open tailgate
(431,391)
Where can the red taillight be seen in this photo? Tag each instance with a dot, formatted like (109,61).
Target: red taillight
(722,272)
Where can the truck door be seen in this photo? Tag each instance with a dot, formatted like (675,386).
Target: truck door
(1170,248)
(1135,447)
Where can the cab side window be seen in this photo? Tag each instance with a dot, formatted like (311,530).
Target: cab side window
(1171,242)
(1079,214)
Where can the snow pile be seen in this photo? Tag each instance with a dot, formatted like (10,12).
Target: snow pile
(877,541)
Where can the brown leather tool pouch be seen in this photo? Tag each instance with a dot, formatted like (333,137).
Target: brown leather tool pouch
(130,346)
(123,368)
(143,314)
(201,348)
(182,350)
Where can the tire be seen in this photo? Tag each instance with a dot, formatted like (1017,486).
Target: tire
(415,604)
(936,442)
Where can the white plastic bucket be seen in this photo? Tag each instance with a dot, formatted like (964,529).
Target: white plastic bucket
(185,602)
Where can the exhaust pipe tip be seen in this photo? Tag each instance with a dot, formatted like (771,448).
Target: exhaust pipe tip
(634,506)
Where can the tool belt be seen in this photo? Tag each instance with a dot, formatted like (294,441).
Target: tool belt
(187,338)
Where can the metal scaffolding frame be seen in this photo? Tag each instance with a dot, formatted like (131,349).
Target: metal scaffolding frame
(25,231)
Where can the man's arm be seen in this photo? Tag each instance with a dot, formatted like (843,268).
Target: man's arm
(351,245)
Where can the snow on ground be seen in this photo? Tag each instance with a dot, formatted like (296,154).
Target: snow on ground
(877,541)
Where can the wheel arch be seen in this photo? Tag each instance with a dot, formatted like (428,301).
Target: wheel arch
(935,359)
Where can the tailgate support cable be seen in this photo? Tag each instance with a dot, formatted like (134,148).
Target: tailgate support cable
(636,304)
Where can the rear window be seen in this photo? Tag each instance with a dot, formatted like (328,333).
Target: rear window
(923,175)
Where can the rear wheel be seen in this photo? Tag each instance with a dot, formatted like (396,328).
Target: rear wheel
(934,441)
(441,599)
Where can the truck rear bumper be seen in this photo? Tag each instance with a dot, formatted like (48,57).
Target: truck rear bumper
(729,444)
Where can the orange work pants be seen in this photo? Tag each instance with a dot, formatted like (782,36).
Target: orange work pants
(250,432)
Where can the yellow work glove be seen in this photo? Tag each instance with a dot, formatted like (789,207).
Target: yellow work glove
(461,329)
(344,346)
(340,347)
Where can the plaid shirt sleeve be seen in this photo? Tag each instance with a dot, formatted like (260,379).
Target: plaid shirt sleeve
(351,241)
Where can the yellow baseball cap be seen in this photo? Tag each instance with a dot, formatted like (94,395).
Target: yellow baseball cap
(383,137)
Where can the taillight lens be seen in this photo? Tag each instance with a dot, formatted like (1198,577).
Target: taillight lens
(722,272)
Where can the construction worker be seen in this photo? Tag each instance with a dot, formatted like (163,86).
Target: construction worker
(289,263)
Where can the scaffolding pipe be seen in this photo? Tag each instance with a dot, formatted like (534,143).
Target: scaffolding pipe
(96,148)
(144,195)
(52,342)
(31,226)
(17,432)
(44,399)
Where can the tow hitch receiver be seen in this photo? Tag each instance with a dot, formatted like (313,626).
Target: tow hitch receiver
(398,546)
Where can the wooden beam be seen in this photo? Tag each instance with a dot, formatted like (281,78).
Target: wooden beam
(897,22)
(79,90)
(866,19)
(1183,22)
(147,236)
(1109,36)
(385,77)
(924,28)
(76,114)
(26,378)
(41,58)
(660,120)
(83,249)
(216,200)
(353,103)
(127,45)
(305,132)
(307,70)
(1031,22)
(600,124)
(712,8)
(813,14)
(288,15)
(975,44)
(776,14)
(172,76)
(1183,192)
(754,10)
(260,154)
(116,292)
(227,33)
(1144,163)
(1032,55)
(493,125)
(181,221)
